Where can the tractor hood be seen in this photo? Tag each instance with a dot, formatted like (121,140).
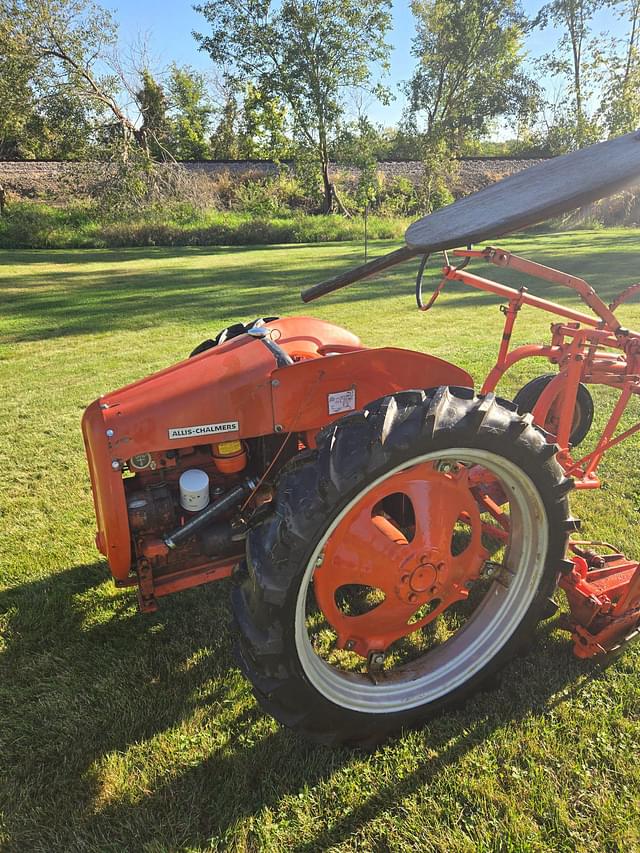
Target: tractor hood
(224,391)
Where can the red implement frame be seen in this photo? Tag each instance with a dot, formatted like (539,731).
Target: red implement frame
(603,592)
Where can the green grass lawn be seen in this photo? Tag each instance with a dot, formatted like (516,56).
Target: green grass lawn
(120,731)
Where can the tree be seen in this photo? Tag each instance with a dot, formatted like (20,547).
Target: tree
(152,104)
(191,112)
(305,52)
(16,92)
(570,59)
(226,140)
(469,68)
(264,126)
(69,44)
(360,140)
(620,104)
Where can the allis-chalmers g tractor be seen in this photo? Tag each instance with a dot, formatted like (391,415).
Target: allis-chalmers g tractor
(393,535)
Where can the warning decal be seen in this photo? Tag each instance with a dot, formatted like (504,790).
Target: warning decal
(342,401)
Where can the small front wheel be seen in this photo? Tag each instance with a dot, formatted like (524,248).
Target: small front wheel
(529,394)
(404,562)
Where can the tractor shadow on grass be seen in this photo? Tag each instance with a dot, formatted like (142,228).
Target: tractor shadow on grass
(262,768)
(93,694)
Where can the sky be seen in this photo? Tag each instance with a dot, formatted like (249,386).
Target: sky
(167,25)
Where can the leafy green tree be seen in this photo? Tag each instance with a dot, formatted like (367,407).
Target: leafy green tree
(264,126)
(68,46)
(43,112)
(469,69)
(620,99)
(572,60)
(191,113)
(153,132)
(361,139)
(304,52)
(16,91)
(226,141)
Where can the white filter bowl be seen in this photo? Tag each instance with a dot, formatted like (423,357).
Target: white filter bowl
(194,489)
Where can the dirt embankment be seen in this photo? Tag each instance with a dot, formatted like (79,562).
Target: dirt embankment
(59,182)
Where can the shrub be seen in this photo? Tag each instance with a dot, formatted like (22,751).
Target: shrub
(29,225)
(398,198)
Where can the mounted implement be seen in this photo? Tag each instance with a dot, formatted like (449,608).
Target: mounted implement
(394,535)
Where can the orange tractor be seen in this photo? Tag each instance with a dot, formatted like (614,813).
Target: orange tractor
(392,535)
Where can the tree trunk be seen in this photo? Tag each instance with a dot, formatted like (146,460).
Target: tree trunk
(577,85)
(328,189)
(343,210)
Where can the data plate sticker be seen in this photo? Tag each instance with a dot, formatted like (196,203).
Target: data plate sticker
(342,401)
(203,429)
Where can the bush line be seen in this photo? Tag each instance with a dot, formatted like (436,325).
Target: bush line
(41,226)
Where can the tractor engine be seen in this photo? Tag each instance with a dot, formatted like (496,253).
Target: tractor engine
(184,506)
(170,488)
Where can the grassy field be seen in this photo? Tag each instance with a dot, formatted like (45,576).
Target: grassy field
(123,732)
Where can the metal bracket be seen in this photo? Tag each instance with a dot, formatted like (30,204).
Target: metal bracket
(146,598)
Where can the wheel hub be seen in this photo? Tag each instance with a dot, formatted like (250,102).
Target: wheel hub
(425,577)
(392,555)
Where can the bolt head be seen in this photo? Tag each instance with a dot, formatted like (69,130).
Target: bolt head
(412,597)
(110,433)
(115,464)
(279,428)
(275,383)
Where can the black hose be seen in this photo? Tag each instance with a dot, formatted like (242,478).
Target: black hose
(421,269)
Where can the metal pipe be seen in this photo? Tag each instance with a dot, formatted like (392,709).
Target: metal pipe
(217,508)
(263,334)
(528,299)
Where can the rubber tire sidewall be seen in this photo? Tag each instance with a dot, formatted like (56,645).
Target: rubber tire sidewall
(315,487)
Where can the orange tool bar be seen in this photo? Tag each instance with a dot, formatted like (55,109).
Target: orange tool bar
(527,299)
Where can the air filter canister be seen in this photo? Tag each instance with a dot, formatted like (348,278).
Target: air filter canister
(194,490)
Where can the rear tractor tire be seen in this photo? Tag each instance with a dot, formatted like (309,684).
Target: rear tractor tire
(379,591)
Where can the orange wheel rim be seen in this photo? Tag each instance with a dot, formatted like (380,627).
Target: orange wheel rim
(397,542)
